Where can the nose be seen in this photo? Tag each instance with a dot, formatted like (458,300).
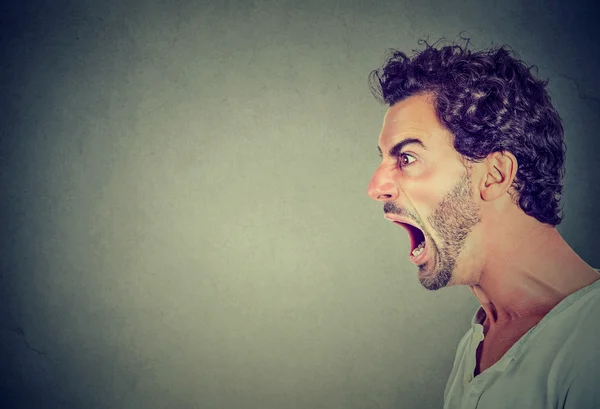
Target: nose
(382,187)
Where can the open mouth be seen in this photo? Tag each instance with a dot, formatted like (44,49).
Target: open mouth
(417,241)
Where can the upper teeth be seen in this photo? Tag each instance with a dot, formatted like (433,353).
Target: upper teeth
(419,250)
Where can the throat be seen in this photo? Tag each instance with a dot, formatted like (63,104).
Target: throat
(496,344)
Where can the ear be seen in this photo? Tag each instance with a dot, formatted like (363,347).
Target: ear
(500,170)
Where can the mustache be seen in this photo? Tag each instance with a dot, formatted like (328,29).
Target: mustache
(390,207)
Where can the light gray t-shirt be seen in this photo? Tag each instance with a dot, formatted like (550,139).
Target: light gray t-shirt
(556,364)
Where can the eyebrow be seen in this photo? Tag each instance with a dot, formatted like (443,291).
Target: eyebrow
(397,148)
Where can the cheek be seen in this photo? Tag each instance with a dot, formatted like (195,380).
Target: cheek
(427,190)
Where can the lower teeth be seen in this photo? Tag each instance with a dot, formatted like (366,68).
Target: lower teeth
(419,250)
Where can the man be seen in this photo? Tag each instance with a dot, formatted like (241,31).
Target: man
(472,161)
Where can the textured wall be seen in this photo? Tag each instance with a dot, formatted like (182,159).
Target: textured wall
(184,217)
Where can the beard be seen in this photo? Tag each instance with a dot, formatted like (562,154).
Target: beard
(452,220)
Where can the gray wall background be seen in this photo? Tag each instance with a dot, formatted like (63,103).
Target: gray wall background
(184,216)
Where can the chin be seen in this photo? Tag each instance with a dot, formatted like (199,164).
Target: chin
(436,278)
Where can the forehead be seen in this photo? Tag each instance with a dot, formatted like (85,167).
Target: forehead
(413,117)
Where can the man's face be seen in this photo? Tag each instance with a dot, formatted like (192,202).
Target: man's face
(425,188)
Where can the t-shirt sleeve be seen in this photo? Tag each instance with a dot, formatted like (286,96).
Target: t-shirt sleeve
(584,391)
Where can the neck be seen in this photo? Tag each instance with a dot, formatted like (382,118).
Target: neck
(531,270)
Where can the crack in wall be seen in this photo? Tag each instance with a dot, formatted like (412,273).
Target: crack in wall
(580,92)
(19,331)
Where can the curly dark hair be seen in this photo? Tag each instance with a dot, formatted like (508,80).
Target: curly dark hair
(491,102)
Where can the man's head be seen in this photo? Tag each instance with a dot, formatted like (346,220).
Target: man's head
(467,135)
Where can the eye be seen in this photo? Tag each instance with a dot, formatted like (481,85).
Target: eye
(405,159)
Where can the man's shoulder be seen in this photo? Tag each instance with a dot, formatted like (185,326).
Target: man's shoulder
(570,334)
(578,313)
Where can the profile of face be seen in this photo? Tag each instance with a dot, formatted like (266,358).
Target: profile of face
(426,188)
